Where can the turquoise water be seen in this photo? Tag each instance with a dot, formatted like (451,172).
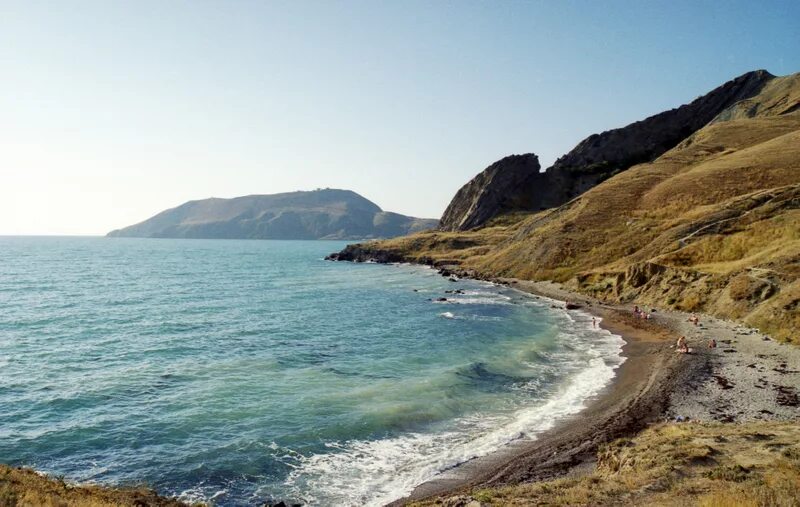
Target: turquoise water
(244,371)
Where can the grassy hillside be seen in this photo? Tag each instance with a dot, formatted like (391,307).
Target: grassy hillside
(711,225)
(709,465)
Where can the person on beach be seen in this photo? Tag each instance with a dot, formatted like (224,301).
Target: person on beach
(594,322)
(636,309)
(712,343)
(682,346)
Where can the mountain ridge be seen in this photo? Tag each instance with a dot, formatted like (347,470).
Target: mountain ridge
(593,160)
(314,214)
(712,225)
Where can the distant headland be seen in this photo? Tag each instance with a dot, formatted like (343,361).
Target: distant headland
(317,214)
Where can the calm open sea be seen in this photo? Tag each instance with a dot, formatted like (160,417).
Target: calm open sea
(244,371)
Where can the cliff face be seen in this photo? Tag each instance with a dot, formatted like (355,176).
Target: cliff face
(644,141)
(504,186)
(711,225)
(319,214)
(593,160)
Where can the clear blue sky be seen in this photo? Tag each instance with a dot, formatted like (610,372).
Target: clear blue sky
(112,111)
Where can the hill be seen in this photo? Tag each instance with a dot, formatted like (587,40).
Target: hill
(712,224)
(508,185)
(317,214)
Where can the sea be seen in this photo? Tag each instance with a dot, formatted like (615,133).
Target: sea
(239,372)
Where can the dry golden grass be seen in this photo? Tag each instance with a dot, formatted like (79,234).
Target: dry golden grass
(780,315)
(710,464)
(26,488)
(723,203)
(753,244)
(779,96)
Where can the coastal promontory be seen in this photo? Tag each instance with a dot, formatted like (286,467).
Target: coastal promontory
(317,214)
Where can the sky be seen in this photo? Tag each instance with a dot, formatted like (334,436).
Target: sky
(113,111)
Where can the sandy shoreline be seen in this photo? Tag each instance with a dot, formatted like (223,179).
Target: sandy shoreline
(653,383)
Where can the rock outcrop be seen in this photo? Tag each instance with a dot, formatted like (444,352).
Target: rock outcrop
(362,253)
(318,214)
(504,186)
(510,184)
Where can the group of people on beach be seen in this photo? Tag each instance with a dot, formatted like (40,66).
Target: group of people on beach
(642,313)
(683,347)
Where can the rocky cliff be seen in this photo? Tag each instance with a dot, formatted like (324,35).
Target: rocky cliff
(711,225)
(504,186)
(509,185)
(318,214)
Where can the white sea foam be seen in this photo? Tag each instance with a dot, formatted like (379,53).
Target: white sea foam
(376,472)
(479,299)
(447,315)
(194,495)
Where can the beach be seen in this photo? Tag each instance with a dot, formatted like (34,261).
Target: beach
(263,372)
(747,377)
(625,377)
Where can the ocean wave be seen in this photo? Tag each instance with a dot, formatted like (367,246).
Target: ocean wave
(374,472)
(478,372)
(498,299)
(474,317)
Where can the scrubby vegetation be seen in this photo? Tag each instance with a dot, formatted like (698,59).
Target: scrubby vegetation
(705,464)
(26,488)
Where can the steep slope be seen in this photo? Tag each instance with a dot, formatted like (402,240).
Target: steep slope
(318,214)
(594,159)
(713,224)
(779,96)
(494,191)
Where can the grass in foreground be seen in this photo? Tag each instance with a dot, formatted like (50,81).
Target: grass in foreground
(23,487)
(704,464)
